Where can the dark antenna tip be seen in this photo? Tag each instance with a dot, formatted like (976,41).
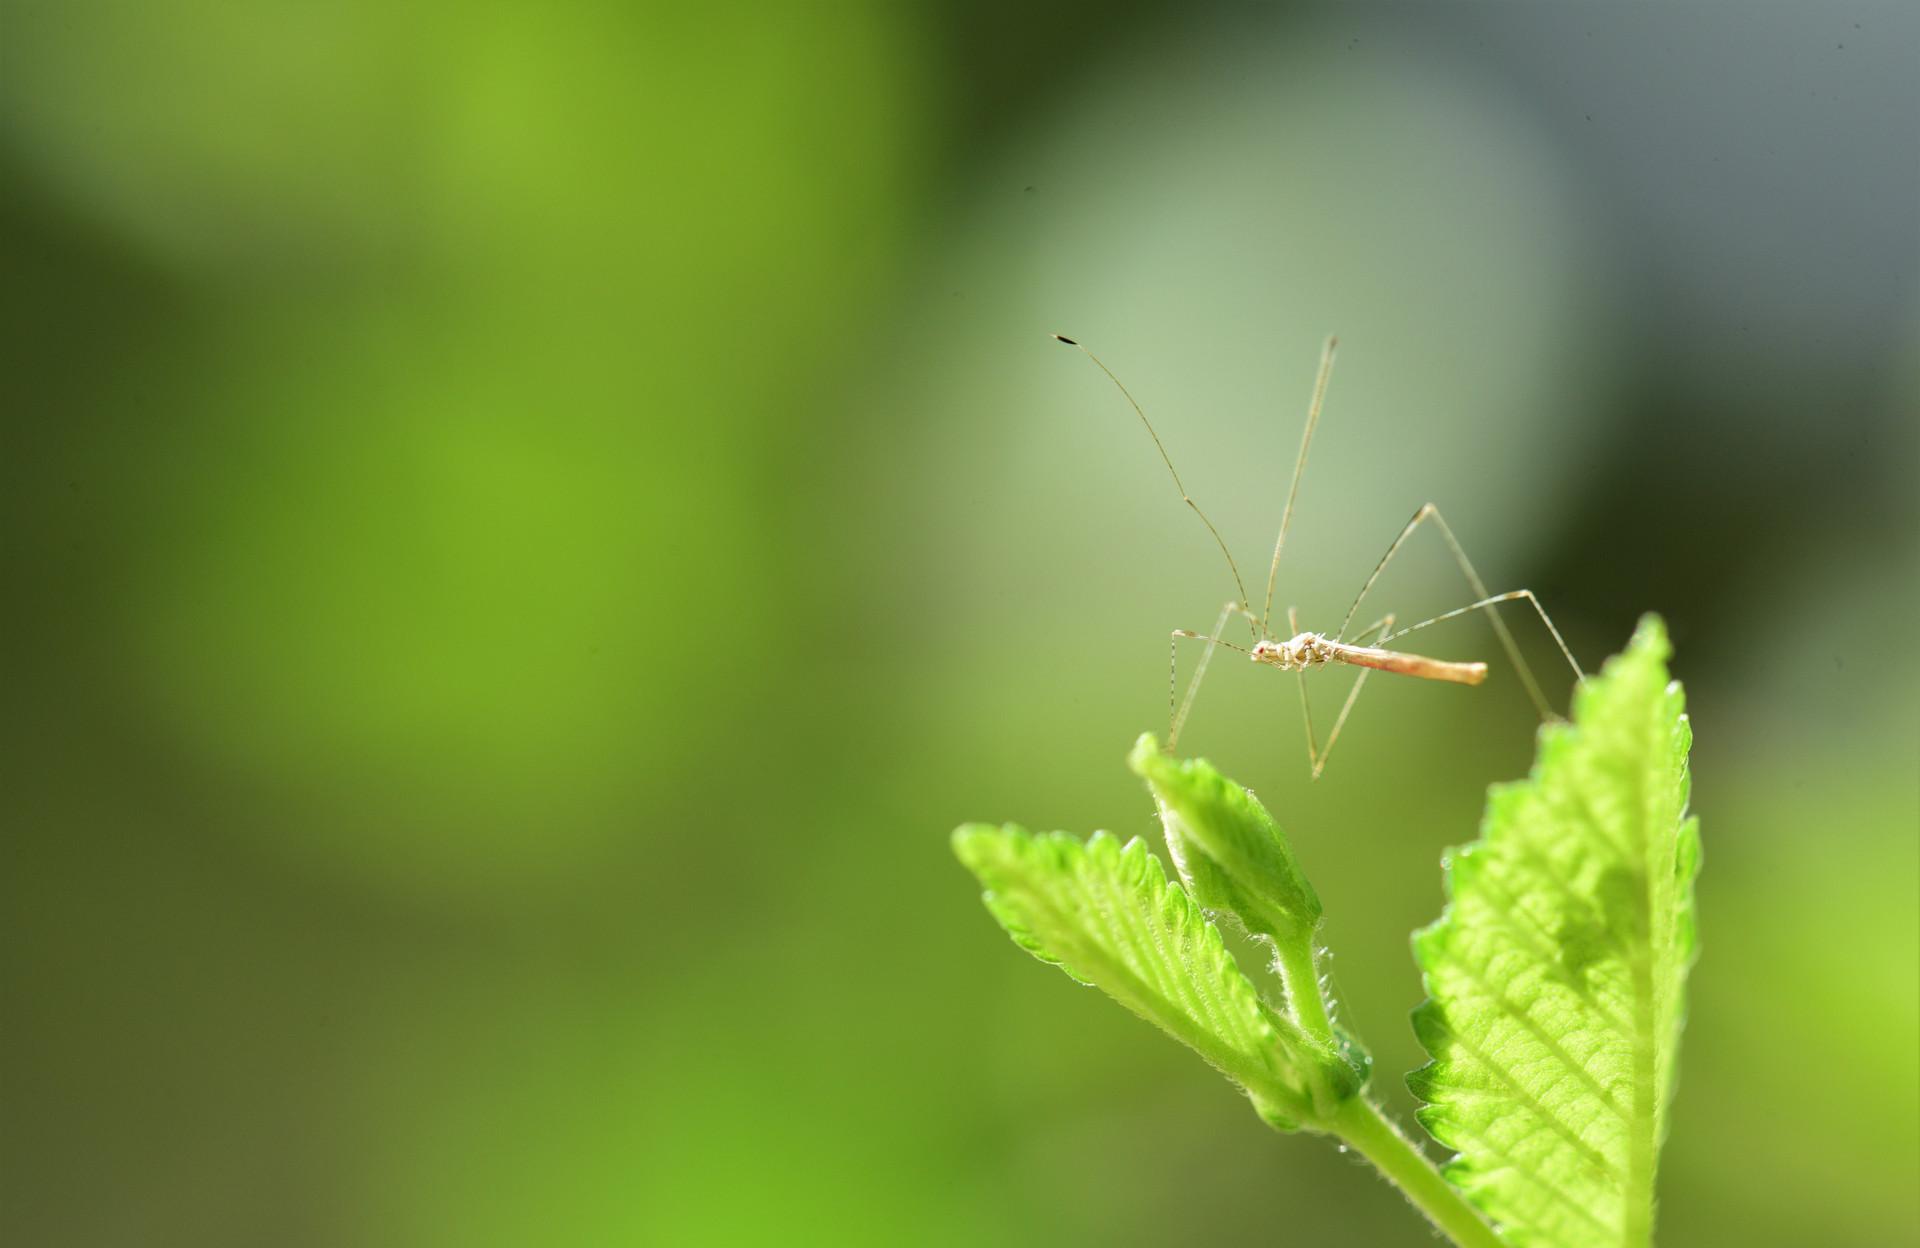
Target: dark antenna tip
(1063,338)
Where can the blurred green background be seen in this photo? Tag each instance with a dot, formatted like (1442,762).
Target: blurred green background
(524,527)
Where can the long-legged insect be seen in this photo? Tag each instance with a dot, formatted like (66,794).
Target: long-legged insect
(1302,651)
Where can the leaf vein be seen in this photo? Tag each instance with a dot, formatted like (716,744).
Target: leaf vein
(1513,1010)
(1528,1099)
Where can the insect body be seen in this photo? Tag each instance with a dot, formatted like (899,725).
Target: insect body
(1365,648)
(1307,650)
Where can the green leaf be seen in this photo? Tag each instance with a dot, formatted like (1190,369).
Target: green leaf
(1556,973)
(1234,858)
(1227,847)
(1108,916)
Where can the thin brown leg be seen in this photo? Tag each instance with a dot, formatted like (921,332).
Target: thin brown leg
(1486,602)
(1177,713)
(1316,755)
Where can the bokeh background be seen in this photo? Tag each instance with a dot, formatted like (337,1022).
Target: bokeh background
(525,526)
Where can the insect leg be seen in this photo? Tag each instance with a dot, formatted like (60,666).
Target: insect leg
(1317,755)
(1486,602)
(1177,716)
(1491,601)
(1299,470)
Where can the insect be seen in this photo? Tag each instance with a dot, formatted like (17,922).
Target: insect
(1365,648)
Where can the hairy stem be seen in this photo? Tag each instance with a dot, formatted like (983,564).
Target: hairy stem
(1302,979)
(1368,1132)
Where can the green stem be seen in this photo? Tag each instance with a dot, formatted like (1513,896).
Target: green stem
(1369,1133)
(1302,980)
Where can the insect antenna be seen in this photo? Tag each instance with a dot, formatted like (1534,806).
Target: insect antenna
(1175,473)
(1299,468)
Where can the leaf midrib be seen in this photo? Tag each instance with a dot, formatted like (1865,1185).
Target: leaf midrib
(1637,1228)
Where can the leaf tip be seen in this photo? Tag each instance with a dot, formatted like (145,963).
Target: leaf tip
(976,845)
(1651,634)
(1145,759)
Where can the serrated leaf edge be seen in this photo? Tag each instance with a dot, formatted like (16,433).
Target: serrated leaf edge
(1231,1003)
(1460,870)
